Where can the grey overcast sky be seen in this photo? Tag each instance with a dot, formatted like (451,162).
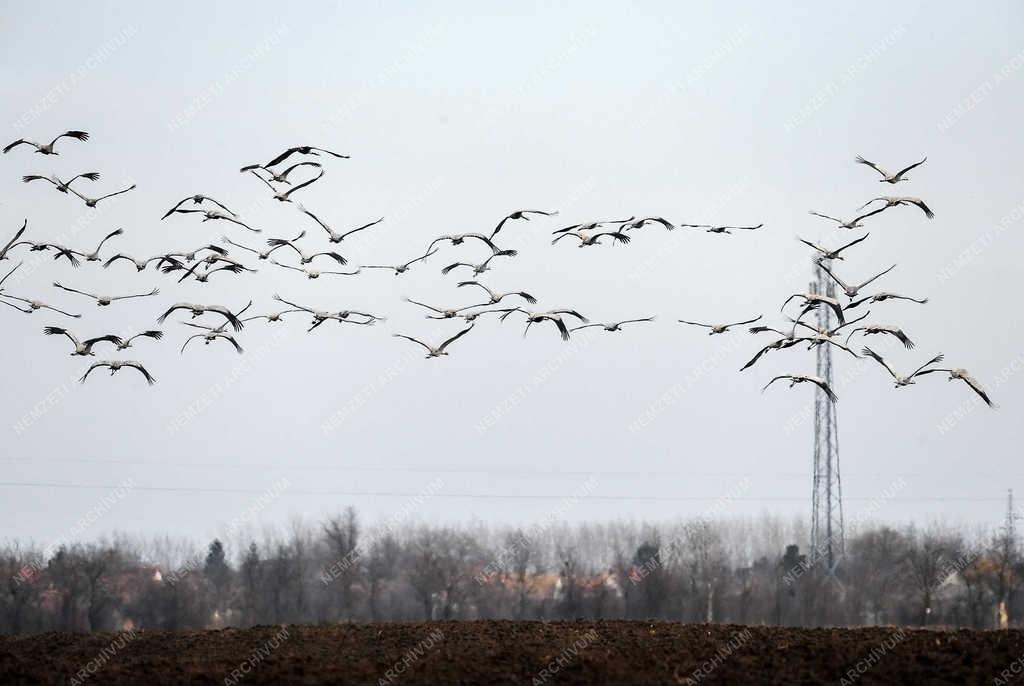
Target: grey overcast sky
(455,113)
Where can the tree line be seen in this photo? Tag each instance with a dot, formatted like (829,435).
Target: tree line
(699,570)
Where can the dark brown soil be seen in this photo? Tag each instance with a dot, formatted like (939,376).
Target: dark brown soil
(485,652)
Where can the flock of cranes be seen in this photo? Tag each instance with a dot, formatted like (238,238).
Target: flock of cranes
(812,302)
(307,167)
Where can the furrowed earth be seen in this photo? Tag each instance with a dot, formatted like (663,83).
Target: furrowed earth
(505,652)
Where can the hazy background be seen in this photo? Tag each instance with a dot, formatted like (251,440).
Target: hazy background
(455,114)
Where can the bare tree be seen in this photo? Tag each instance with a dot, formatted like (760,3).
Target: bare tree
(930,565)
(876,570)
(521,567)
(707,565)
(344,567)
(251,576)
(381,567)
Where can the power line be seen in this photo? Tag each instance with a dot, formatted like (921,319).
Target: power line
(482,496)
(456,470)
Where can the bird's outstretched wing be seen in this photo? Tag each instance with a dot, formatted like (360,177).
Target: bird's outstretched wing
(78,135)
(455,337)
(136,365)
(878,358)
(861,160)
(414,340)
(906,169)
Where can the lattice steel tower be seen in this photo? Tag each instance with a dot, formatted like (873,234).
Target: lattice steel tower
(827,538)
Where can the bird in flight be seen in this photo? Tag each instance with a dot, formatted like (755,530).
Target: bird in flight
(209,215)
(440,350)
(313,273)
(894,331)
(854,223)
(141,264)
(963,375)
(811,300)
(901,380)
(33,305)
(334,236)
(556,317)
(303,257)
(494,297)
(824,335)
(226,265)
(285,196)
(260,254)
(521,214)
(47,149)
(401,268)
(211,336)
(893,201)
(713,228)
(62,186)
(886,176)
(643,221)
(278,177)
(826,254)
(882,297)
(104,300)
(721,328)
(272,317)
(612,326)
(586,240)
(852,290)
(591,226)
(60,251)
(82,348)
(302,150)
(196,199)
(199,310)
(117,365)
(440,313)
(127,342)
(91,202)
(478,269)
(321,316)
(794,379)
(460,238)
